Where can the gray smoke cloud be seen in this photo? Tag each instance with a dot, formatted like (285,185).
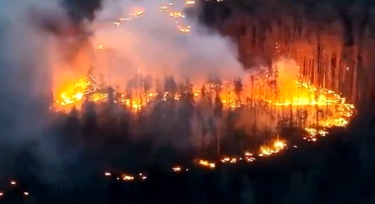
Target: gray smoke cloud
(153,44)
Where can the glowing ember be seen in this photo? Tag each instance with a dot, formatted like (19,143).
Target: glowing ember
(276,147)
(176,15)
(188,3)
(138,13)
(184,29)
(206,163)
(176,169)
(127,177)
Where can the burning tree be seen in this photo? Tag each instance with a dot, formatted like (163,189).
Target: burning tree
(91,83)
(170,87)
(238,88)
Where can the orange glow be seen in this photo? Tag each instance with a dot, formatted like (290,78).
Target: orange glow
(276,147)
(283,95)
(206,163)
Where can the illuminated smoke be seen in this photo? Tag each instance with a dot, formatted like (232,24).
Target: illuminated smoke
(154,43)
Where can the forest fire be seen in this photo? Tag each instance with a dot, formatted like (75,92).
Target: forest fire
(187,101)
(308,108)
(267,99)
(308,96)
(78,91)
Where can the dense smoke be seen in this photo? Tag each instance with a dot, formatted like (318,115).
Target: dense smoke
(80,13)
(152,44)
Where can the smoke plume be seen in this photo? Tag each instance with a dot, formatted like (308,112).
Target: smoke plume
(152,44)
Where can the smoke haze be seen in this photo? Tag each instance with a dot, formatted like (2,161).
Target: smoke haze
(25,85)
(35,45)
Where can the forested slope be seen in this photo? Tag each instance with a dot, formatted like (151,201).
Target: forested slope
(332,41)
